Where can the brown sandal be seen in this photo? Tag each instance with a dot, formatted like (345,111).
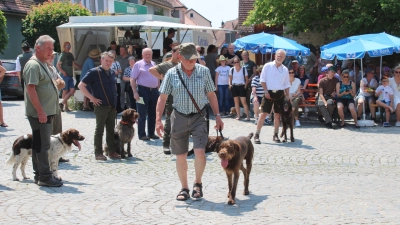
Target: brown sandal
(199,193)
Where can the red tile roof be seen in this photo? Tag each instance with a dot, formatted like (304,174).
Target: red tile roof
(17,6)
(220,35)
(244,7)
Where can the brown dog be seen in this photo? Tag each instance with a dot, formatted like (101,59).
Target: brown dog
(232,153)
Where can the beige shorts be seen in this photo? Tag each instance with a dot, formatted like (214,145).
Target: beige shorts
(181,128)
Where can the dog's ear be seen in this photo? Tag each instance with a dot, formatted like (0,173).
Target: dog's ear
(236,146)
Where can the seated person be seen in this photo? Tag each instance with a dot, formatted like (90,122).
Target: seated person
(258,94)
(345,91)
(324,72)
(367,84)
(394,83)
(304,80)
(114,46)
(326,90)
(386,98)
(295,95)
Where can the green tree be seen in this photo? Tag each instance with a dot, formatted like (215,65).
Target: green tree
(3,33)
(44,18)
(342,17)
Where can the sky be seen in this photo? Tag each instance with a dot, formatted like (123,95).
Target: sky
(215,10)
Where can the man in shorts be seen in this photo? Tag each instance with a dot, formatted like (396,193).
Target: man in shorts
(275,81)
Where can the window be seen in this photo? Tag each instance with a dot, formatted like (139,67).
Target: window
(191,15)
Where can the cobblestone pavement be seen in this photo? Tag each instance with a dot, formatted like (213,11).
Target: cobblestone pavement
(345,176)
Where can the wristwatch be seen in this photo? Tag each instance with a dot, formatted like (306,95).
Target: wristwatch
(218,115)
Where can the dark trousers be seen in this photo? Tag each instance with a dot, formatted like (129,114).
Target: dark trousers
(327,111)
(105,117)
(167,125)
(147,111)
(40,147)
(132,100)
(119,109)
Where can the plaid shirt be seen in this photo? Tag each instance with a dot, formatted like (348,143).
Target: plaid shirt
(199,84)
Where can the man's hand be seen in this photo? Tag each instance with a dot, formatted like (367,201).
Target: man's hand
(96,102)
(326,104)
(267,95)
(136,95)
(219,124)
(42,116)
(159,128)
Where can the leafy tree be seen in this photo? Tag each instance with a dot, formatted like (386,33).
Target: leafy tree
(340,17)
(44,18)
(3,33)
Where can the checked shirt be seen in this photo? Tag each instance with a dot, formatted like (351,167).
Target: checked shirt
(199,84)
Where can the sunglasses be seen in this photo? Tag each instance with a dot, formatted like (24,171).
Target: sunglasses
(396,72)
(174,50)
(291,72)
(345,76)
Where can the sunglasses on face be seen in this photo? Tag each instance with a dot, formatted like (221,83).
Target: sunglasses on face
(174,50)
(345,76)
(291,72)
(235,62)
(397,72)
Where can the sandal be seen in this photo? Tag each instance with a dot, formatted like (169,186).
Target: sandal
(197,194)
(3,125)
(237,118)
(183,193)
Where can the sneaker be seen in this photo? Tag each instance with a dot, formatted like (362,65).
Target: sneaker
(257,139)
(101,158)
(256,120)
(50,182)
(397,124)
(306,110)
(114,155)
(304,115)
(386,124)
(297,123)
(267,121)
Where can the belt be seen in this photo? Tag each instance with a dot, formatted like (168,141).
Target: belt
(237,84)
(151,89)
(187,115)
(274,91)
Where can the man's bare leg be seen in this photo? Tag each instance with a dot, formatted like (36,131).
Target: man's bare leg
(181,169)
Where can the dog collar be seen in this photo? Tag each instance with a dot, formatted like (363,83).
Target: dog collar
(124,123)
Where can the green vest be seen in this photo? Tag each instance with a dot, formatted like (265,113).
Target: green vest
(23,59)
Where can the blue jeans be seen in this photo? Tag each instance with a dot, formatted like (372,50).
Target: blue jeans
(223,95)
(147,110)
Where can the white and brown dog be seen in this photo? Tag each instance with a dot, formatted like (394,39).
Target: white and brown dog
(59,145)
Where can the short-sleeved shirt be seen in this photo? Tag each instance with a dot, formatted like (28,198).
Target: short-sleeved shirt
(223,75)
(166,43)
(249,66)
(229,56)
(303,79)
(67,61)
(237,76)
(255,82)
(38,74)
(162,68)
(328,85)
(141,74)
(211,64)
(87,65)
(387,91)
(199,84)
(294,86)
(276,78)
(373,83)
(92,79)
(123,61)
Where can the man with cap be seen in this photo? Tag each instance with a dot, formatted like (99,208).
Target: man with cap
(159,71)
(168,40)
(169,53)
(326,95)
(65,66)
(114,46)
(94,55)
(295,67)
(185,118)
(22,60)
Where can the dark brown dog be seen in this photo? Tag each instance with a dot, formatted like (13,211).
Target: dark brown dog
(212,144)
(287,120)
(232,153)
(124,133)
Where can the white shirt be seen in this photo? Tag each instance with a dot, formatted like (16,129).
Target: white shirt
(237,76)
(276,78)
(295,86)
(372,84)
(17,65)
(387,91)
(223,75)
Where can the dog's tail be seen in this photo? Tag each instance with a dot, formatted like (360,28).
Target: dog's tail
(250,135)
(11,159)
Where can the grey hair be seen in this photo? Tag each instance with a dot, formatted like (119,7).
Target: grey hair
(281,50)
(43,39)
(131,57)
(107,53)
(397,67)
(113,51)
(345,72)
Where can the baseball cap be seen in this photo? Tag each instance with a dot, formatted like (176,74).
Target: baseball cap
(338,65)
(332,68)
(25,44)
(386,68)
(368,70)
(324,69)
(188,51)
(171,30)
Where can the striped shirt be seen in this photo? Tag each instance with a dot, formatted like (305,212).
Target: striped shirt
(255,82)
(199,84)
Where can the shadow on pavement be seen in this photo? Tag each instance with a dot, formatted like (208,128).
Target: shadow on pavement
(61,190)
(298,144)
(4,188)
(68,166)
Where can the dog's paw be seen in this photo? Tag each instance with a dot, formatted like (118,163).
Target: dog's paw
(292,139)
(15,179)
(246,192)
(231,201)
(123,156)
(130,155)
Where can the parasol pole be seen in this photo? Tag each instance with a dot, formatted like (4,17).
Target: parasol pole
(380,77)
(364,122)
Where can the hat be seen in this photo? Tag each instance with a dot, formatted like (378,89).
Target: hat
(94,53)
(221,58)
(368,70)
(188,51)
(25,44)
(171,30)
(386,68)
(332,68)
(295,61)
(324,69)
(259,68)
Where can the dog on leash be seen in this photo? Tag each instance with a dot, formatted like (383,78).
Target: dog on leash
(212,144)
(287,120)
(124,133)
(59,145)
(232,153)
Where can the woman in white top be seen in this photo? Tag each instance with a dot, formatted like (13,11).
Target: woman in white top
(365,96)
(238,81)
(222,83)
(295,95)
(394,83)
(118,75)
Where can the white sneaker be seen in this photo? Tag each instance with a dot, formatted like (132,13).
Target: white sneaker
(297,124)
(397,124)
(304,115)
(306,110)
(256,120)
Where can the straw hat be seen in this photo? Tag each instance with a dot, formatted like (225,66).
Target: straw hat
(94,53)
(221,58)
(259,68)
